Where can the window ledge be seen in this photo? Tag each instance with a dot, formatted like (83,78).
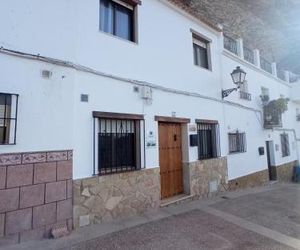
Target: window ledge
(199,67)
(119,38)
(237,153)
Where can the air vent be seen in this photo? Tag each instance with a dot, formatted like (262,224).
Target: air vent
(46,74)
(84,98)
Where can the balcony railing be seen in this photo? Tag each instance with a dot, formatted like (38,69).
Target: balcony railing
(245,95)
(265,65)
(230,44)
(249,55)
(280,74)
(272,118)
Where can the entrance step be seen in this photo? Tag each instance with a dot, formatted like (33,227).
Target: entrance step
(271,183)
(175,200)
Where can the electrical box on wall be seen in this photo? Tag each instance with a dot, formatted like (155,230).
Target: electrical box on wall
(261,150)
(194,140)
(146,92)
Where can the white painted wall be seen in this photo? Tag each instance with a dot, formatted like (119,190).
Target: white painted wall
(51,116)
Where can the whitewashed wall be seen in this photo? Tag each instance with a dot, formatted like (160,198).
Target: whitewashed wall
(51,116)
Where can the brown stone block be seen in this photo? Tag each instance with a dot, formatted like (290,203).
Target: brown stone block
(10,159)
(9,199)
(64,170)
(45,172)
(57,156)
(9,240)
(32,235)
(70,155)
(2,177)
(18,221)
(69,189)
(56,191)
(34,157)
(20,175)
(44,215)
(2,224)
(70,224)
(32,195)
(64,210)
(58,224)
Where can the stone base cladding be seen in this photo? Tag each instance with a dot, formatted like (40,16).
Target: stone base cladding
(205,178)
(105,198)
(260,178)
(285,171)
(35,195)
(284,174)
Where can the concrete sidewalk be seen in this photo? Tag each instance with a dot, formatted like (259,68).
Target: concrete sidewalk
(259,218)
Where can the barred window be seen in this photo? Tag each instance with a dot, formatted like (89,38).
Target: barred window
(208,139)
(285,145)
(237,142)
(119,144)
(8,118)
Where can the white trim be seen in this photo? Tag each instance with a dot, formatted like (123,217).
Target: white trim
(200,43)
(126,5)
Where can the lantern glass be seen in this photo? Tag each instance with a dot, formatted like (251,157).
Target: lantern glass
(238,76)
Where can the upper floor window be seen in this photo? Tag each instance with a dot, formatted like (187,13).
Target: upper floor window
(118,18)
(285,145)
(8,118)
(208,139)
(237,142)
(244,91)
(201,52)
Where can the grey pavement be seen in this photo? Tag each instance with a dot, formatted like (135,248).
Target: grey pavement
(260,218)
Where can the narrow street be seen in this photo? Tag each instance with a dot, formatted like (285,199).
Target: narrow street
(260,218)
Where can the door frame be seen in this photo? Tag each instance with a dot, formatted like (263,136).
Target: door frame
(270,152)
(182,122)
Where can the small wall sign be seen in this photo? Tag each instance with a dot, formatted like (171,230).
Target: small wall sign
(150,139)
(192,128)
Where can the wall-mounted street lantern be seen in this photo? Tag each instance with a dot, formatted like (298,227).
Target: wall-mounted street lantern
(238,77)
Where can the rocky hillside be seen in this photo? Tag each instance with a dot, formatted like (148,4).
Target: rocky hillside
(273,26)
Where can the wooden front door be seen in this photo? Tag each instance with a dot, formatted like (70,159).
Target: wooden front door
(170,159)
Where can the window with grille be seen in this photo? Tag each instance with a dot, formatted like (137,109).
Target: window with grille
(285,145)
(208,140)
(237,142)
(8,118)
(117,18)
(201,52)
(119,145)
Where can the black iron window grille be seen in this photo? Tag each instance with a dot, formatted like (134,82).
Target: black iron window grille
(208,140)
(230,44)
(285,145)
(119,145)
(8,118)
(237,142)
(245,95)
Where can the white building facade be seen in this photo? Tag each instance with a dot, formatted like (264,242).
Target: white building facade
(108,107)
